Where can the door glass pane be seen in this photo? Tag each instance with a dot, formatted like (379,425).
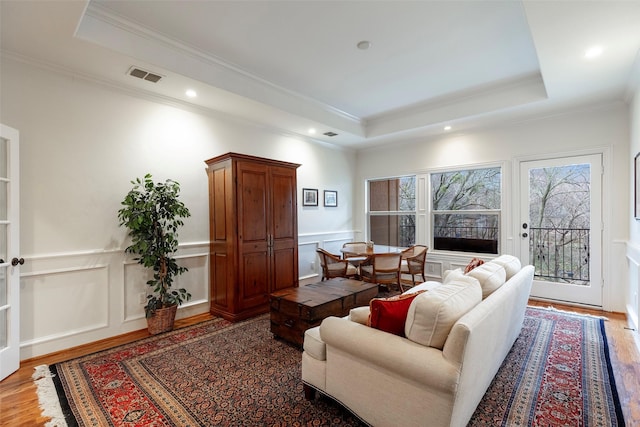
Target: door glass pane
(3,286)
(3,329)
(3,311)
(3,200)
(4,155)
(3,243)
(559,213)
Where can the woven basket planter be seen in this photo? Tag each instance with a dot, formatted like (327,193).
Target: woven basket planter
(162,320)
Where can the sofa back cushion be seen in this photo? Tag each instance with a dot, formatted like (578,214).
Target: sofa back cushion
(432,314)
(490,275)
(510,264)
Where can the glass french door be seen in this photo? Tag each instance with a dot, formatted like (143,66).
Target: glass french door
(9,253)
(561,232)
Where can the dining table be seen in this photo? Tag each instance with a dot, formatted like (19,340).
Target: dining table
(356,252)
(356,255)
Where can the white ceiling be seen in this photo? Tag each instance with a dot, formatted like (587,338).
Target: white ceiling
(293,65)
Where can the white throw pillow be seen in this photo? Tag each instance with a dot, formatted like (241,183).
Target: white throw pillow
(510,263)
(432,314)
(490,275)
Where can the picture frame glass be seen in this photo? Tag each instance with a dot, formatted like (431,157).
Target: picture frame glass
(330,198)
(309,197)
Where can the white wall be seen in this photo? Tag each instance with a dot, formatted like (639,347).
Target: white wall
(81,144)
(602,128)
(633,247)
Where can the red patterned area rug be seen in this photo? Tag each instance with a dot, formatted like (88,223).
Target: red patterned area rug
(222,374)
(558,373)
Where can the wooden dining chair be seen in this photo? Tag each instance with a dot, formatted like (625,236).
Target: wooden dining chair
(334,266)
(353,252)
(413,260)
(383,269)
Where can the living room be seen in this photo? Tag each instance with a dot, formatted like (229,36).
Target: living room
(84,138)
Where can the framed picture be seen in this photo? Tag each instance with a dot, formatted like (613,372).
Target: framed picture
(330,198)
(636,190)
(309,197)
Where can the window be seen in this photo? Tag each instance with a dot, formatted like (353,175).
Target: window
(465,209)
(392,211)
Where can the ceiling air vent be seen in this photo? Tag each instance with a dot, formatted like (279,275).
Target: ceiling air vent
(144,75)
(330,133)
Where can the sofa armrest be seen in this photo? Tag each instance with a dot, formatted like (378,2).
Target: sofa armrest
(390,352)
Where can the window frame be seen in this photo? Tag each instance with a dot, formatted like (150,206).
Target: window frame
(499,212)
(370,213)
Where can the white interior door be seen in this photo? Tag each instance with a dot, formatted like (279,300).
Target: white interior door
(561,227)
(10,260)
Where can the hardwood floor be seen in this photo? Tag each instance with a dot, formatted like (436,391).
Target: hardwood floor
(19,402)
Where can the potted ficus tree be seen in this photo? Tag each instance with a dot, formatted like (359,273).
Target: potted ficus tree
(153,213)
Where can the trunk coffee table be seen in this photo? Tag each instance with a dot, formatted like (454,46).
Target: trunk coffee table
(294,310)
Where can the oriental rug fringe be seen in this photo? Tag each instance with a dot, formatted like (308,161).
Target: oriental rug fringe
(216,373)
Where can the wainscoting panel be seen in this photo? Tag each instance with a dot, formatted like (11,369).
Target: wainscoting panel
(308,261)
(70,299)
(633,305)
(61,303)
(196,281)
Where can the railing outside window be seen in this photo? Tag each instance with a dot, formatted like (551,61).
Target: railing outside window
(560,254)
(468,238)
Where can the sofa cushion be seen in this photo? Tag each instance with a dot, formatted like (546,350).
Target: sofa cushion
(390,314)
(432,314)
(424,286)
(490,275)
(360,315)
(510,264)
(314,345)
(458,276)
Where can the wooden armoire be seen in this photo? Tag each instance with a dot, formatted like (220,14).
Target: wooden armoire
(253,231)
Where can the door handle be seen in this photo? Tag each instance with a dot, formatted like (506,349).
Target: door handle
(16,261)
(525,235)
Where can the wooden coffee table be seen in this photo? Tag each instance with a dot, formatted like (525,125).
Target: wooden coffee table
(295,310)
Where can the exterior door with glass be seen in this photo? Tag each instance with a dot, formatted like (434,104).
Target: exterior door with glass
(561,227)
(10,260)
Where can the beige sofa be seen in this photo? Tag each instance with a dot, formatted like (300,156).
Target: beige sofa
(391,380)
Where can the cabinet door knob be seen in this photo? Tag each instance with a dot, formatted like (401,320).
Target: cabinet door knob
(17,261)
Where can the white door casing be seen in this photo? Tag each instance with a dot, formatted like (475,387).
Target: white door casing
(566,252)
(9,252)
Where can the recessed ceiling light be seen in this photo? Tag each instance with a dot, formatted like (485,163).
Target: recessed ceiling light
(447,128)
(191,93)
(364,45)
(593,52)
(311,131)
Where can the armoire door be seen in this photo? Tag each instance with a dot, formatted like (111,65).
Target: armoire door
(284,230)
(254,266)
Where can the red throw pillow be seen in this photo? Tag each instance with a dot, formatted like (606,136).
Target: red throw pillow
(390,314)
(476,262)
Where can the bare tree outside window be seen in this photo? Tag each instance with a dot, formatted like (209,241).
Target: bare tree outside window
(559,216)
(465,208)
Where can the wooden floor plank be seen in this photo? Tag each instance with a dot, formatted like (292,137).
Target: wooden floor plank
(19,402)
